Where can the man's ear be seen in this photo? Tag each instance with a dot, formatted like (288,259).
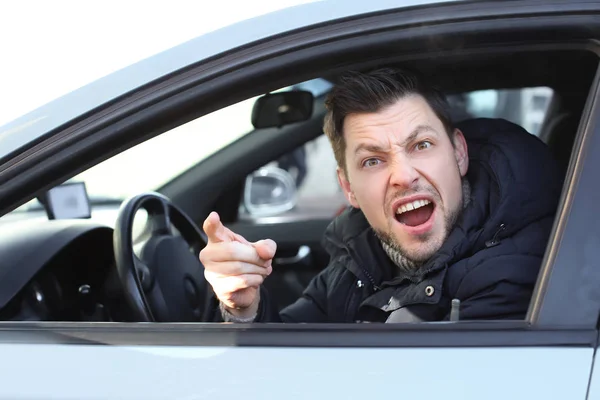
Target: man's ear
(461,152)
(345,185)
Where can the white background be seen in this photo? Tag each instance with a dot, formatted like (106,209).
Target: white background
(49,48)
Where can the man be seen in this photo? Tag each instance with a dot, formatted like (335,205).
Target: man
(440,216)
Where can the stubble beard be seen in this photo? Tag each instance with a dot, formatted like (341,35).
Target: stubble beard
(413,260)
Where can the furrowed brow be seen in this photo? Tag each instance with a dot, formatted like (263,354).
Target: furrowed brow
(369,148)
(416,132)
(373,148)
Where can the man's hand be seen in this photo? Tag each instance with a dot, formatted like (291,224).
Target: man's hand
(234,267)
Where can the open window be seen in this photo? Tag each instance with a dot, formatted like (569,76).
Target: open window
(205,150)
(224,147)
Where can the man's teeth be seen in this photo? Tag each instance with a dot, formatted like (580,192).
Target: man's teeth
(412,206)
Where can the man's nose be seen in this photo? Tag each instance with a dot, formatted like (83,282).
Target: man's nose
(403,174)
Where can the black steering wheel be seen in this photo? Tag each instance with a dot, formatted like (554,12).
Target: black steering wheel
(159,268)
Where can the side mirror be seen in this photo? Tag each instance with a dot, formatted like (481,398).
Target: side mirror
(269,191)
(282,108)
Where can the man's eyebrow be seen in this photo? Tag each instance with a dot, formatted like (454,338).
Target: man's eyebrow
(373,148)
(416,132)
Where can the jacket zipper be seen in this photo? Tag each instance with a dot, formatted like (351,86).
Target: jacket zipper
(368,275)
(495,241)
(375,287)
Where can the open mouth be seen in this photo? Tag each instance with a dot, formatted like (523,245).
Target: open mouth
(415,213)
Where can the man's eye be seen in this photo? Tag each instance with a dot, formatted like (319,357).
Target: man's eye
(423,145)
(371,162)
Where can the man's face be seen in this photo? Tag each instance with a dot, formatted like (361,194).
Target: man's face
(405,175)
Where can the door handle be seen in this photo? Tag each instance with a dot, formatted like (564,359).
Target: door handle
(302,255)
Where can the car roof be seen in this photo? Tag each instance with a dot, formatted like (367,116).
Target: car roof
(46,118)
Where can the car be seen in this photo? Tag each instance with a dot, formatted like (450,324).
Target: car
(103,193)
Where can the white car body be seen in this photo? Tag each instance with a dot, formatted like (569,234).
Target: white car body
(43,360)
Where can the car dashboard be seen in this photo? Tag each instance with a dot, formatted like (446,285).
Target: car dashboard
(59,270)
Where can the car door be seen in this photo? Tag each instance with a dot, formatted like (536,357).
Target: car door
(548,355)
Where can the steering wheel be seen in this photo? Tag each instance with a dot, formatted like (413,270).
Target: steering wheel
(159,268)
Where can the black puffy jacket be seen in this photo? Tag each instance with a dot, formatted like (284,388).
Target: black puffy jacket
(490,261)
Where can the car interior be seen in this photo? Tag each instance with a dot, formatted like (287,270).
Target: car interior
(75,277)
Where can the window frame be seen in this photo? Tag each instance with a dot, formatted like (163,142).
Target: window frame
(147,115)
(573,307)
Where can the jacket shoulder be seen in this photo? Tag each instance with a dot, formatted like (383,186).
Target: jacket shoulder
(343,229)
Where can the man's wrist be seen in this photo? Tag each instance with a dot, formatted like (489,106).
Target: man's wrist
(244,315)
(238,316)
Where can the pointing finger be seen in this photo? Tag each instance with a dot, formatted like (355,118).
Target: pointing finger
(266,249)
(216,231)
(230,251)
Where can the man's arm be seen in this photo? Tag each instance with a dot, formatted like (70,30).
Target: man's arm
(235,269)
(310,307)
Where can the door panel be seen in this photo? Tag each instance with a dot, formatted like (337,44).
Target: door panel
(181,372)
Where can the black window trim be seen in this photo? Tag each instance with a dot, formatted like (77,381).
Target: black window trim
(579,305)
(429,335)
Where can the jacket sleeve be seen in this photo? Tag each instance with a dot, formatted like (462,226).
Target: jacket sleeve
(498,288)
(312,305)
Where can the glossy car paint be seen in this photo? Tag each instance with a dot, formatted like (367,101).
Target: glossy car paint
(148,372)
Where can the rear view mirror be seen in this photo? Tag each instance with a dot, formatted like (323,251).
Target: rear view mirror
(282,108)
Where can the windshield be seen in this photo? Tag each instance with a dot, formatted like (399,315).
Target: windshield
(155,162)
(151,164)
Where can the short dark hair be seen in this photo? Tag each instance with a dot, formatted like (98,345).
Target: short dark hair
(358,92)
